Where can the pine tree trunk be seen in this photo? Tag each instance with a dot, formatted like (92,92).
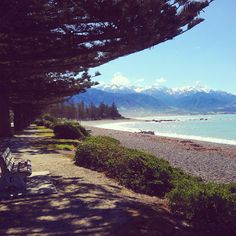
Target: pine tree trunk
(22,118)
(18,120)
(5,123)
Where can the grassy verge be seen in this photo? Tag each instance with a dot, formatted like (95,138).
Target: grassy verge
(51,143)
(211,207)
(44,132)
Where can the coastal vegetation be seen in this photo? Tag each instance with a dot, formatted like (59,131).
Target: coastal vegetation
(62,128)
(69,131)
(134,169)
(81,111)
(210,207)
(52,143)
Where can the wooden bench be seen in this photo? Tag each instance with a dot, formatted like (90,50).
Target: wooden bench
(13,174)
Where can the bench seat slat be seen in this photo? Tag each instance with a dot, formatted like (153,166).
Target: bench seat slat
(13,174)
(5,153)
(10,166)
(24,166)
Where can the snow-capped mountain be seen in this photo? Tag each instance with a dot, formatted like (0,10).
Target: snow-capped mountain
(113,88)
(160,99)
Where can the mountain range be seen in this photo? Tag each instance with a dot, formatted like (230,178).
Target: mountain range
(133,101)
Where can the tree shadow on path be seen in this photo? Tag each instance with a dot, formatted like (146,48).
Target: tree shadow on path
(81,208)
(30,139)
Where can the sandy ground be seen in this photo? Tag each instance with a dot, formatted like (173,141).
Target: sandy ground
(87,202)
(210,161)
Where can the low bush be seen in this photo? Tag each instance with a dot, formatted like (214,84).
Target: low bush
(48,124)
(210,206)
(48,117)
(39,122)
(132,168)
(68,131)
(46,120)
(81,128)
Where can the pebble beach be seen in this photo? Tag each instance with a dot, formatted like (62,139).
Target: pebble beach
(210,161)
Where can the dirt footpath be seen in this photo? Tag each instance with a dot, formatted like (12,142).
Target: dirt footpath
(87,202)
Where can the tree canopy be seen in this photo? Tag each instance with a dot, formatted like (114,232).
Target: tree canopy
(61,35)
(44,38)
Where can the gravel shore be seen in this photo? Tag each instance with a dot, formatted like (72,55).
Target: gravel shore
(210,161)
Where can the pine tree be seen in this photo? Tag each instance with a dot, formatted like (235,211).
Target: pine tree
(114,111)
(44,37)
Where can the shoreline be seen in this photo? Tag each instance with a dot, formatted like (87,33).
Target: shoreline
(114,125)
(210,161)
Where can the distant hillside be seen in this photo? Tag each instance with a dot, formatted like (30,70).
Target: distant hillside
(131,100)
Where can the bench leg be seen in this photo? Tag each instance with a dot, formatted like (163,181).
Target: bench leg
(13,182)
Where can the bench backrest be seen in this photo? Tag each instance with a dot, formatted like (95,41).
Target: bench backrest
(6,161)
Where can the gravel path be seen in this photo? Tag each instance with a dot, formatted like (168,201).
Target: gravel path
(211,162)
(87,202)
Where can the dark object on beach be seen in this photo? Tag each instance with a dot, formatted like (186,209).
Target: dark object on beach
(164,120)
(203,119)
(159,121)
(147,132)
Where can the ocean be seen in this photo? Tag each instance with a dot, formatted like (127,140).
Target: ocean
(211,128)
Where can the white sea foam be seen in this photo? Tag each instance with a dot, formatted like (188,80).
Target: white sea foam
(119,126)
(199,138)
(133,127)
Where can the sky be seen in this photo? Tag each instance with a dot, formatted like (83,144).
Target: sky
(204,56)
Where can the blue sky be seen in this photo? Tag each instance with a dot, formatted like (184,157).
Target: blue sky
(205,55)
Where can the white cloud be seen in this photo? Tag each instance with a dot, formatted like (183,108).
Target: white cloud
(120,80)
(139,84)
(140,81)
(160,81)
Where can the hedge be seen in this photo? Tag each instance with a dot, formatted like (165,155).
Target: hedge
(69,131)
(211,207)
(132,168)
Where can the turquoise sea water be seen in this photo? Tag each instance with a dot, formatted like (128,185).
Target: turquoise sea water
(211,128)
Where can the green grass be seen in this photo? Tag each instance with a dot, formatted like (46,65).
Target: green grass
(51,143)
(58,144)
(41,128)
(66,147)
(44,132)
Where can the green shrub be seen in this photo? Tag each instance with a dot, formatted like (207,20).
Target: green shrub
(67,131)
(48,117)
(82,129)
(132,168)
(78,126)
(48,124)
(210,206)
(39,122)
